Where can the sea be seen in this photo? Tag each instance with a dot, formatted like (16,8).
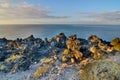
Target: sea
(106,32)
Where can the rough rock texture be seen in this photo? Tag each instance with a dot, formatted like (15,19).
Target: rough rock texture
(116,44)
(60,58)
(60,40)
(107,69)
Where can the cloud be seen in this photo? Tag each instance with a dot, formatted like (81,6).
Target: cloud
(26,11)
(103,17)
(4,5)
(6,0)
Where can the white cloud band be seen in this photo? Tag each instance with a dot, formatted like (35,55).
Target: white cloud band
(102,17)
(6,0)
(25,11)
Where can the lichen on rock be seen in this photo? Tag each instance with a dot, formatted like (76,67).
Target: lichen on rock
(100,70)
(72,53)
(116,44)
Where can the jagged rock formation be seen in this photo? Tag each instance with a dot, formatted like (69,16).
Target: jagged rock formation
(116,44)
(60,40)
(60,54)
(72,53)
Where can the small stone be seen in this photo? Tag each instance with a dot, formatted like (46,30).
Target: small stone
(72,60)
(64,65)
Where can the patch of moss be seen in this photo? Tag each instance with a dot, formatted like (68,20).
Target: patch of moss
(117,47)
(64,59)
(2,67)
(41,71)
(46,60)
(101,70)
(72,53)
(13,57)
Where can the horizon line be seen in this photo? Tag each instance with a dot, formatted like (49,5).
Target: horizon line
(60,24)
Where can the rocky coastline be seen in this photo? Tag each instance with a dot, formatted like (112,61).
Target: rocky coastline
(60,58)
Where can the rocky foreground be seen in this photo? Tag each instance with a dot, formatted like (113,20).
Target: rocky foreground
(60,58)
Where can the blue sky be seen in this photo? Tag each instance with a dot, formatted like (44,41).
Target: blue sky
(59,11)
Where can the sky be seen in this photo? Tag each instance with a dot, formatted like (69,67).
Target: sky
(60,12)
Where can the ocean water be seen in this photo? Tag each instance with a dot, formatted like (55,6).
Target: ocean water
(106,32)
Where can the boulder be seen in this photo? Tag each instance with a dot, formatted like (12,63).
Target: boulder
(60,40)
(115,41)
(115,44)
(94,38)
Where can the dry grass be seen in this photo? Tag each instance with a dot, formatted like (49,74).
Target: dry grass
(91,71)
(2,67)
(41,71)
(46,60)
(47,65)
(13,57)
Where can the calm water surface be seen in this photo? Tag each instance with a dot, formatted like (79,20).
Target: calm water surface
(42,31)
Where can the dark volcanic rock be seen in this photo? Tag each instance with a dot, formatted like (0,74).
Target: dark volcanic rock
(30,38)
(22,63)
(20,54)
(60,40)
